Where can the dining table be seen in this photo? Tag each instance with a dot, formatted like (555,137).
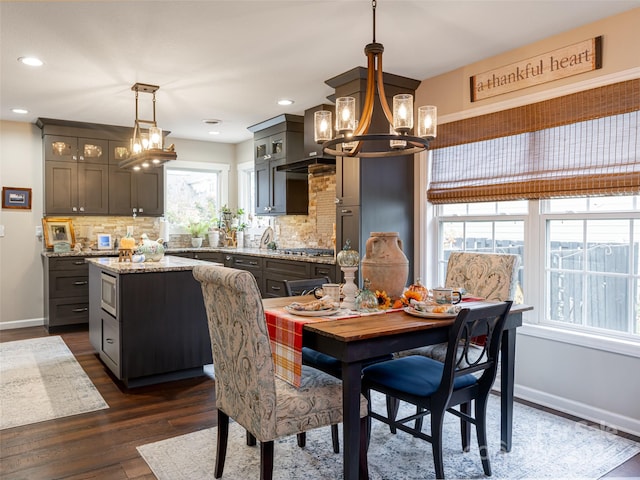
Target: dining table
(355,339)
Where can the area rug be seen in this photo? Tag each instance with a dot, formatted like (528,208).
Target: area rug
(41,380)
(545,446)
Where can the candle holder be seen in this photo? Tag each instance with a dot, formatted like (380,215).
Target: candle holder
(348,259)
(349,290)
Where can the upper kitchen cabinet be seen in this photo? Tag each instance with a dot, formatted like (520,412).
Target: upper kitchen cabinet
(136,193)
(82,175)
(277,142)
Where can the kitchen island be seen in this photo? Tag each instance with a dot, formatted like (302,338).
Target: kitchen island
(147,320)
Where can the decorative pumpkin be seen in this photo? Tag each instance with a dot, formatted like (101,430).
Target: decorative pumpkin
(127,243)
(348,257)
(419,289)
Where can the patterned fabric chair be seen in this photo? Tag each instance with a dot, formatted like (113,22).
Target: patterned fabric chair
(246,387)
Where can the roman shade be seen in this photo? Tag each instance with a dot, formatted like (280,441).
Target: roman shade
(586,143)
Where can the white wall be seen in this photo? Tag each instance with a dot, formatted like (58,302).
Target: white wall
(21,280)
(575,374)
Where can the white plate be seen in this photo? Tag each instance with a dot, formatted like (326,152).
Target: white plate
(417,313)
(311,313)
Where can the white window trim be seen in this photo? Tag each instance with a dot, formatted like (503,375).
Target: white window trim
(534,236)
(223,186)
(241,168)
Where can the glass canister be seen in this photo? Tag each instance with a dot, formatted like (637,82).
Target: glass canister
(348,257)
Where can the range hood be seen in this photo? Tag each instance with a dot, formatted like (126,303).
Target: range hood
(314,161)
(310,164)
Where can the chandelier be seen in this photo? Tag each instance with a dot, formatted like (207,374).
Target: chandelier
(146,149)
(352,134)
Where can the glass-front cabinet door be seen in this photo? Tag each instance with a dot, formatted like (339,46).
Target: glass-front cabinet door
(60,149)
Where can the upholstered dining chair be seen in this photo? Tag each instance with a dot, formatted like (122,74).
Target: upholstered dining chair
(436,387)
(246,387)
(492,276)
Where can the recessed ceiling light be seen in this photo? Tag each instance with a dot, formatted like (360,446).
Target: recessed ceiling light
(31,61)
(284,102)
(21,111)
(214,133)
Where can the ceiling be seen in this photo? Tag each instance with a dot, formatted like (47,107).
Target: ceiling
(231,60)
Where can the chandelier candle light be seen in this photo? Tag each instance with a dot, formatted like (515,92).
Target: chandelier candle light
(146,148)
(400,119)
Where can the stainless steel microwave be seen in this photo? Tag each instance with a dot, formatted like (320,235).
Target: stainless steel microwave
(109,297)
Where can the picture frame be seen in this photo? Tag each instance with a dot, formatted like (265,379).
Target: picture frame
(58,230)
(16,197)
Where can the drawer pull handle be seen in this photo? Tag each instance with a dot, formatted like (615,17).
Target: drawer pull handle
(78,263)
(253,263)
(109,340)
(276,288)
(81,283)
(78,310)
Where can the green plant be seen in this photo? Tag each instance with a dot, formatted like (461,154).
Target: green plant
(197,229)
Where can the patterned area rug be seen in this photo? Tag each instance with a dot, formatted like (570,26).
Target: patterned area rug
(545,446)
(41,380)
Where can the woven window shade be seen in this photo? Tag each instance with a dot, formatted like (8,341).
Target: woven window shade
(581,144)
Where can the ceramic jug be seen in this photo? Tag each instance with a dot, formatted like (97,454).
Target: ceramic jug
(385,264)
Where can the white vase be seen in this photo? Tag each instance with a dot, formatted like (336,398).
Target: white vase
(196,242)
(214,239)
(240,239)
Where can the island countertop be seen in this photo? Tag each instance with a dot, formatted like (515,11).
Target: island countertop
(168,263)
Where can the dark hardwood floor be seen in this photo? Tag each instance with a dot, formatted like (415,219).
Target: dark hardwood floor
(102,444)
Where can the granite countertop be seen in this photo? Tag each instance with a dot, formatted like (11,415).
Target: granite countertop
(168,263)
(257,252)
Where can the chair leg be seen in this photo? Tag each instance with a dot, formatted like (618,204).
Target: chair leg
(302,439)
(266,460)
(221,449)
(251,440)
(465,427)
(481,433)
(393,405)
(418,424)
(436,442)
(364,446)
(335,438)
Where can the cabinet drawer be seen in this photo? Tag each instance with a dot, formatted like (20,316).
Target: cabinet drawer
(209,256)
(243,262)
(319,270)
(66,284)
(290,268)
(76,264)
(68,311)
(110,344)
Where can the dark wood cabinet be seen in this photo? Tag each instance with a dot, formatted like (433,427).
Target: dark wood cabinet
(276,271)
(76,176)
(165,337)
(66,292)
(277,142)
(82,175)
(140,193)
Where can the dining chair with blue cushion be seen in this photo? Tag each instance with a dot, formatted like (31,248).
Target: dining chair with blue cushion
(247,389)
(436,388)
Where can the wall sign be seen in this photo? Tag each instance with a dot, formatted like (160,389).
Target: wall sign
(564,62)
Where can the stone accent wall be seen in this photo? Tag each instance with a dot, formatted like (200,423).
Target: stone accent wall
(316,230)
(86,228)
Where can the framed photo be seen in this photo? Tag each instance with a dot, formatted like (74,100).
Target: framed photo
(14,197)
(58,230)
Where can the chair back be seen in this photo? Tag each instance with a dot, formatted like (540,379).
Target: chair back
(304,286)
(492,276)
(461,358)
(244,371)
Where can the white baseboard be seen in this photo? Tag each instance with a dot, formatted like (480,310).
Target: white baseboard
(610,421)
(31,322)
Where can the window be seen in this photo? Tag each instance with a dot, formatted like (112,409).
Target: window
(587,275)
(247,188)
(194,192)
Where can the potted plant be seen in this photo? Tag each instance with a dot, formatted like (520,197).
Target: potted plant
(197,230)
(240,228)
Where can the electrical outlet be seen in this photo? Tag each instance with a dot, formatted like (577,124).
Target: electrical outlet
(38,231)
(1,230)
